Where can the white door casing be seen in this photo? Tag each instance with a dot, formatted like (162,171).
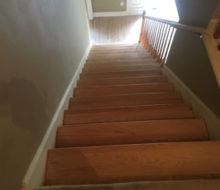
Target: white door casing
(89,9)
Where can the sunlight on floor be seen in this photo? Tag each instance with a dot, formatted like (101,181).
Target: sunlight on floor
(133,33)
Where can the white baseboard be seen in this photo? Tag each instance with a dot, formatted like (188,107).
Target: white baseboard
(114,14)
(199,108)
(35,174)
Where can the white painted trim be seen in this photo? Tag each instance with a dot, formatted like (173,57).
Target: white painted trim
(199,108)
(135,12)
(35,174)
(110,14)
(113,14)
(89,9)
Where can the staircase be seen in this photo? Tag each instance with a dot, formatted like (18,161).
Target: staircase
(126,123)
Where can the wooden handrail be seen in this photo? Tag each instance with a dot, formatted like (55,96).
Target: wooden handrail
(194,29)
(157,35)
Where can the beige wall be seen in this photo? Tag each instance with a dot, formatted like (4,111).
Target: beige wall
(196,12)
(188,59)
(108,5)
(41,44)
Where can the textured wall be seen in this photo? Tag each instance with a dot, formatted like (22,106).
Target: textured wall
(41,44)
(108,5)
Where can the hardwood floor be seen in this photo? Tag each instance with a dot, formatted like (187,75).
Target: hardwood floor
(106,30)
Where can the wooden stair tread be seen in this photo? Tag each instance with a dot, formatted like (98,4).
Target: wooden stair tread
(127,50)
(204,184)
(131,132)
(147,96)
(111,164)
(138,74)
(147,61)
(121,81)
(123,89)
(138,113)
(121,68)
(107,107)
(124,100)
(117,49)
(120,64)
(139,55)
(127,58)
(122,74)
(120,61)
(119,55)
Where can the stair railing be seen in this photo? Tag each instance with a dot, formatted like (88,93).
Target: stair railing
(157,35)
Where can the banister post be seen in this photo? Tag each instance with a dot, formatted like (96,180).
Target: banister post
(142,28)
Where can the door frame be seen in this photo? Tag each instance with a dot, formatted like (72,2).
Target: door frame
(89,9)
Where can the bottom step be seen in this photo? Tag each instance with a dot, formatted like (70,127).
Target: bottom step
(119,164)
(161,185)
